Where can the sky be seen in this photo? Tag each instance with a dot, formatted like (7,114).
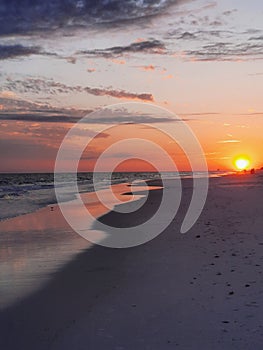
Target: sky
(198,62)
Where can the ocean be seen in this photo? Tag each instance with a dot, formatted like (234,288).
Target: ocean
(24,193)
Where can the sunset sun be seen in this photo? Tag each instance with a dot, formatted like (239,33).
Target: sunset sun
(241,163)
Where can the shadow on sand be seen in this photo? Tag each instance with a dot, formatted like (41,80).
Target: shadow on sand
(103,299)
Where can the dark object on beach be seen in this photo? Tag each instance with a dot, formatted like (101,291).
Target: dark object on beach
(51,208)
(252,171)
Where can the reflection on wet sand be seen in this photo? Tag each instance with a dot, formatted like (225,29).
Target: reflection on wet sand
(34,246)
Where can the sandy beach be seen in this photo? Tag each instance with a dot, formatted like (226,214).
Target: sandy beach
(199,290)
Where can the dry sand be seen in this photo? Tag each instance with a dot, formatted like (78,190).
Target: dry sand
(201,290)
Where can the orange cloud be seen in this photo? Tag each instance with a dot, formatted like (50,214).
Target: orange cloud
(150,67)
(139,40)
(229,141)
(91,70)
(116,61)
(7,94)
(169,76)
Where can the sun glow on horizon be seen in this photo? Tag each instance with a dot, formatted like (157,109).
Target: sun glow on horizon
(241,162)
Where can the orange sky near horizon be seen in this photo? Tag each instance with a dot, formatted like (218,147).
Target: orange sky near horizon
(220,152)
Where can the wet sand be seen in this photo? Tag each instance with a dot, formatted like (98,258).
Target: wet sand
(200,290)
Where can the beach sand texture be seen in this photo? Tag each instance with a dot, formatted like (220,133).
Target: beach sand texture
(199,290)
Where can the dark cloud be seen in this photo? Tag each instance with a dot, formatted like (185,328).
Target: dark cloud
(200,35)
(229,12)
(22,110)
(252,31)
(38,86)
(148,46)
(125,115)
(129,119)
(215,33)
(13,104)
(39,117)
(215,44)
(187,35)
(25,111)
(216,23)
(13,51)
(257,38)
(119,94)
(18,50)
(23,16)
(92,118)
(227,51)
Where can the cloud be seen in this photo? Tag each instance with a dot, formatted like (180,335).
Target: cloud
(187,35)
(17,50)
(27,17)
(147,68)
(148,46)
(252,114)
(91,119)
(91,70)
(208,35)
(229,141)
(37,86)
(119,94)
(124,115)
(71,60)
(216,23)
(22,110)
(257,38)
(116,61)
(226,51)
(200,114)
(13,51)
(229,12)
(39,117)
(210,5)
(213,37)
(167,77)
(27,111)
(129,119)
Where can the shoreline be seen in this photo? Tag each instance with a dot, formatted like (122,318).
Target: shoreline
(48,200)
